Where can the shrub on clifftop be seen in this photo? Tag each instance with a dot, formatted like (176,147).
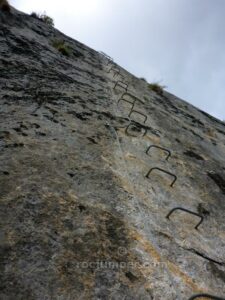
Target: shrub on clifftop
(43,17)
(156,87)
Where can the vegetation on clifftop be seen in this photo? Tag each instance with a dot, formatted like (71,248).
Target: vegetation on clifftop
(43,17)
(156,87)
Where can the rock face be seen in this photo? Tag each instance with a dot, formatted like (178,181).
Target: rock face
(84,192)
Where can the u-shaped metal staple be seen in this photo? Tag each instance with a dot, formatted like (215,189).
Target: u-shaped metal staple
(135,99)
(164,149)
(121,84)
(138,112)
(106,56)
(164,171)
(121,76)
(116,73)
(126,101)
(206,296)
(115,69)
(188,211)
(110,62)
(137,126)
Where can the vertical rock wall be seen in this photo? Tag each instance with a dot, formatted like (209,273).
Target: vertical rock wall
(88,174)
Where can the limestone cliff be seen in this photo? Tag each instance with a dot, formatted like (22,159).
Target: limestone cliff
(90,170)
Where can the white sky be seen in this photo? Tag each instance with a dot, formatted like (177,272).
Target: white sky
(178,42)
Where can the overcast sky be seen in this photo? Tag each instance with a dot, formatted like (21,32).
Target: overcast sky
(180,43)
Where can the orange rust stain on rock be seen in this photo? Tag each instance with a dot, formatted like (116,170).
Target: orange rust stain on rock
(149,248)
(153,139)
(126,185)
(146,245)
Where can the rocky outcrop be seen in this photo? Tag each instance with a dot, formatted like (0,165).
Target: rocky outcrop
(88,176)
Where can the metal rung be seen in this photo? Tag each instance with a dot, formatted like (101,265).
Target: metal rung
(206,296)
(141,127)
(116,73)
(164,171)
(123,99)
(164,149)
(122,77)
(115,69)
(121,84)
(136,99)
(188,211)
(106,56)
(126,101)
(138,112)
(109,62)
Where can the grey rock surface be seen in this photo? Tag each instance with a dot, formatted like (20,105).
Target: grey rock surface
(79,218)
